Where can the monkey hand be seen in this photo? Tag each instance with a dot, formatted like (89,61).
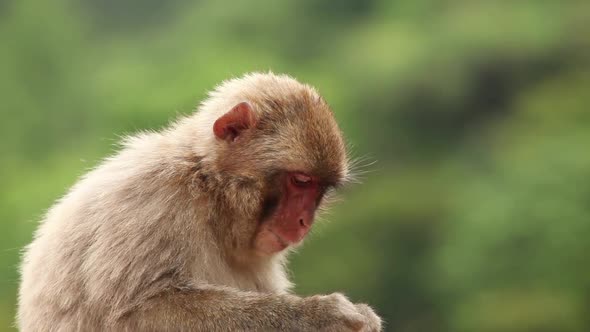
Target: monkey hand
(335,312)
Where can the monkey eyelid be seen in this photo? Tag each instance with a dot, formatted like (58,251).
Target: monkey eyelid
(302,178)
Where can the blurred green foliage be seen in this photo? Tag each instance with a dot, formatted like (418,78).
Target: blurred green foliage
(476,216)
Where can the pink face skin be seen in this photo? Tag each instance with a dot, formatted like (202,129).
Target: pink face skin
(293,217)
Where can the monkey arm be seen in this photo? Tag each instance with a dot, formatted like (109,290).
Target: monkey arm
(222,309)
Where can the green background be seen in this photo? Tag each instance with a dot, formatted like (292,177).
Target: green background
(471,119)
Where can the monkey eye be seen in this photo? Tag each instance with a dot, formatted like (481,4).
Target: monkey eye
(301,180)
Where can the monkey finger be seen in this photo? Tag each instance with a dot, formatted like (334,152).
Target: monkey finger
(373,321)
(355,322)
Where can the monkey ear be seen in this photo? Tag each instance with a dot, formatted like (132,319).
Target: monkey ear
(230,125)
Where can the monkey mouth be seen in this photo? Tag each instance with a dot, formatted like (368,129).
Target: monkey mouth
(282,243)
(270,241)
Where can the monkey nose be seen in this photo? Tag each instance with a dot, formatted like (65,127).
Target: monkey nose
(305,220)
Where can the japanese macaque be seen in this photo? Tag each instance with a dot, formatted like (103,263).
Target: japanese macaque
(187,229)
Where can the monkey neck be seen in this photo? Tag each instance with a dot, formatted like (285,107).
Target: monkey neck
(266,274)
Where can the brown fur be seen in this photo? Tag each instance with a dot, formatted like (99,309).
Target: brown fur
(159,236)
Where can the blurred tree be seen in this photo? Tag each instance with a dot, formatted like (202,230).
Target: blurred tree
(475,216)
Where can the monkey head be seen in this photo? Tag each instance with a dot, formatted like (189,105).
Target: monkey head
(278,142)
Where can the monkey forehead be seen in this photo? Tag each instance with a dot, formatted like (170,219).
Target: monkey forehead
(299,126)
(301,132)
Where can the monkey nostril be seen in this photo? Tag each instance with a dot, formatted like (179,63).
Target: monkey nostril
(302,223)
